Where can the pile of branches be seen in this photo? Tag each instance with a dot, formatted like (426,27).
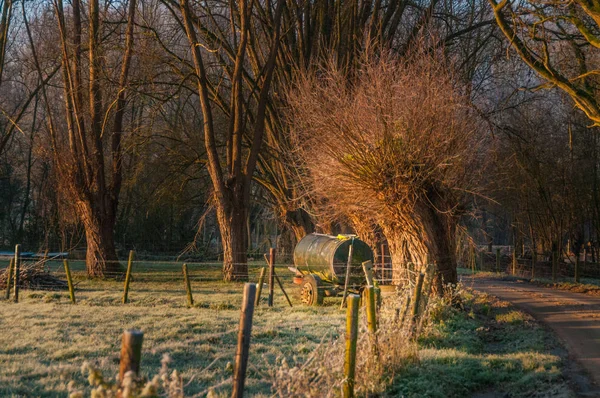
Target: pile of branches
(34,276)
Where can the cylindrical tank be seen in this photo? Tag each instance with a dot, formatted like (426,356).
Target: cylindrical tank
(327,257)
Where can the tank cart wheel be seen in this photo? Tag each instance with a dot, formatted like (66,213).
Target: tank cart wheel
(311,293)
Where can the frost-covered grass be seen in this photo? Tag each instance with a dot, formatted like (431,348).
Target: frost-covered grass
(44,340)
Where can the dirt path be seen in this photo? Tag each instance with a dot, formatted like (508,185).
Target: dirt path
(574,317)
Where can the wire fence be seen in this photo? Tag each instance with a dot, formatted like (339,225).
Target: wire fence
(525,265)
(163,280)
(154,281)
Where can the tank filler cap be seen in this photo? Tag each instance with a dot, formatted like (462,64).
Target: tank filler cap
(346,236)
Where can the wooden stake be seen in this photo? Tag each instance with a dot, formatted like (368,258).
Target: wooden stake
(188,286)
(514,261)
(472,258)
(261,281)
(554,265)
(351,338)
(497,260)
(371,309)
(128,277)
(9,276)
(69,280)
(17,271)
(416,300)
(367,267)
(405,311)
(383,274)
(271,276)
(577,268)
(347,279)
(482,260)
(533,260)
(283,290)
(131,352)
(243,342)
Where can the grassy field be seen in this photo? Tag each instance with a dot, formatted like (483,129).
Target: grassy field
(44,339)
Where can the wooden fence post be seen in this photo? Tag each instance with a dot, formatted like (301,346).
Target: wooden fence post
(482,260)
(514,261)
(347,278)
(243,341)
(577,268)
(554,265)
(271,276)
(17,271)
(69,280)
(533,261)
(404,311)
(497,260)
(353,301)
(131,352)
(416,300)
(9,276)
(367,267)
(472,258)
(383,274)
(371,309)
(259,285)
(128,277)
(188,286)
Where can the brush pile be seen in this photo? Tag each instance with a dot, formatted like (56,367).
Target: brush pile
(34,276)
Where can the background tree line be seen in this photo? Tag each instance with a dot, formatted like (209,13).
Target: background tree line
(168,126)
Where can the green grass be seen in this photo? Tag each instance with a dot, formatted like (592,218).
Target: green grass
(486,345)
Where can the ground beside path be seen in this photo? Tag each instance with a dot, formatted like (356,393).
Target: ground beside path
(574,318)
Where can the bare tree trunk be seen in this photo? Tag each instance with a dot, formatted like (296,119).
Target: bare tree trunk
(101,255)
(232,184)
(232,225)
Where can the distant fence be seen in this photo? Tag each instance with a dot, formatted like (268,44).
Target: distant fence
(525,266)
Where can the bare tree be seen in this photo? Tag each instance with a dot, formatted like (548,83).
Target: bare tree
(396,144)
(559,41)
(84,145)
(232,183)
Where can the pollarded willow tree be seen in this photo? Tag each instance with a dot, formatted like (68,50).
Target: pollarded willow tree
(396,143)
